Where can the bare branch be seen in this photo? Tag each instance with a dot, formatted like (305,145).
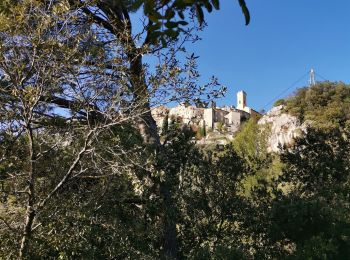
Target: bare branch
(71,169)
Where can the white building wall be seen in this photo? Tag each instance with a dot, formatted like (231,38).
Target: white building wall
(241,100)
(209,118)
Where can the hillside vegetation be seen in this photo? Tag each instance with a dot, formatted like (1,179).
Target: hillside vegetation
(86,174)
(327,104)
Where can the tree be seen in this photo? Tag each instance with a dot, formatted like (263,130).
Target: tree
(325,105)
(251,144)
(209,225)
(165,125)
(116,20)
(52,57)
(308,215)
(203,129)
(46,66)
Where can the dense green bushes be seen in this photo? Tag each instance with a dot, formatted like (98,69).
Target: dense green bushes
(327,104)
(232,202)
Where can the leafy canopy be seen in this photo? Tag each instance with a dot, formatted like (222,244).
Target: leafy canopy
(326,104)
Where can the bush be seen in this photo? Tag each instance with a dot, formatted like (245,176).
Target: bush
(279,102)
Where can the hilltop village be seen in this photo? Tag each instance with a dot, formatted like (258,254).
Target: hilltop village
(213,119)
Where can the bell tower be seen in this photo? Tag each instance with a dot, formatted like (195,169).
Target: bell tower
(241,100)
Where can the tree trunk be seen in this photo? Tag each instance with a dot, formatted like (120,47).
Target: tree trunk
(30,212)
(119,24)
(148,129)
(30,215)
(170,233)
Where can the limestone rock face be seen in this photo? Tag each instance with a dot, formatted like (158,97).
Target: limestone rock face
(187,113)
(284,128)
(159,113)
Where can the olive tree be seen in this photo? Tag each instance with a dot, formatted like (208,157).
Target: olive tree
(73,71)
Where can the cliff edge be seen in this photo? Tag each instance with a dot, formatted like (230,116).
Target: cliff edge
(284,128)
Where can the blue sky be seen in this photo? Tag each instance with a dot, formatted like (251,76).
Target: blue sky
(283,41)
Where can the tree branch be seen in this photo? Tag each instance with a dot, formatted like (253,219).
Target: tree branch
(9,226)
(70,171)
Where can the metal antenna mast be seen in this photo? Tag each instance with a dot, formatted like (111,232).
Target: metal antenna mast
(312,81)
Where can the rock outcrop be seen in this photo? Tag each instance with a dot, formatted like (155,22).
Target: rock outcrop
(284,128)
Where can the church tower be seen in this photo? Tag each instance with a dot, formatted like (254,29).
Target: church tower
(241,100)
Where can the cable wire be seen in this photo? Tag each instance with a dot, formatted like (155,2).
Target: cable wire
(284,91)
(317,74)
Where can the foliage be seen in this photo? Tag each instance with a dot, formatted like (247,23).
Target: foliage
(320,160)
(220,126)
(72,78)
(168,19)
(165,125)
(326,105)
(251,143)
(279,102)
(84,173)
(209,225)
(310,219)
(203,130)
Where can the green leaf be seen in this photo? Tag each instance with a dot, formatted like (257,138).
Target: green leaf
(189,2)
(169,14)
(133,5)
(170,24)
(245,11)
(200,14)
(163,41)
(183,23)
(171,33)
(155,26)
(181,14)
(208,6)
(216,4)
(155,16)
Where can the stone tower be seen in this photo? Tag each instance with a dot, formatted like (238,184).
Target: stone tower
(241,100)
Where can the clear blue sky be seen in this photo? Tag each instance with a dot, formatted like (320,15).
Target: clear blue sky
(283,41)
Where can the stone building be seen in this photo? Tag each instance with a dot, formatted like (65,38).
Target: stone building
(242,105)
(212,117)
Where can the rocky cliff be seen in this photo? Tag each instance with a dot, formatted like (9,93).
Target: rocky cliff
(283,128)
